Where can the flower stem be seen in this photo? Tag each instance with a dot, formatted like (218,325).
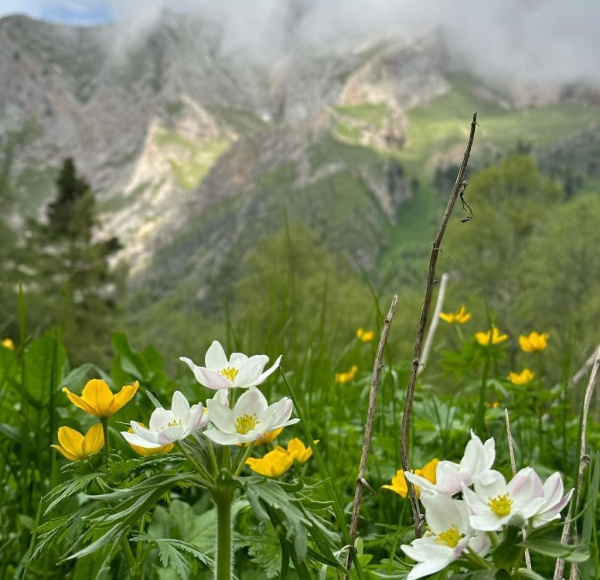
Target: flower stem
(199,468)
(480,414)
(213,458)
(134,571)
(474,557)
(223,499)
(104,422)
(493,536)
(245,456)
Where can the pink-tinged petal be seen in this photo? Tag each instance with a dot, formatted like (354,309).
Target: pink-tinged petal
(159,418)
(215,358)
(207,377)
(449,478)
(250,371)
(198,418)
(134,439)
(220,416)
(180,408)
(276,415)
(480,544)
(549,512)
(263,376)
(553,489)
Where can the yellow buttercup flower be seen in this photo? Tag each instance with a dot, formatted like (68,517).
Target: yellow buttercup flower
(535,342)
(522,378)
(492,337)
(399,485)
(297,450)
(365,335)
(273,464)
(459,317)
(347,376)
(146,451)
(75,446)
(8,343)
(97,399)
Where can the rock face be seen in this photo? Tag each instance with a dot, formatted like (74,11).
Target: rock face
(166,126)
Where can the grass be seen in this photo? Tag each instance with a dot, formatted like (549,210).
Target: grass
(190,161)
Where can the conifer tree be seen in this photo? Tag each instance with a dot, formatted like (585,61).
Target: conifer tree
(72,283)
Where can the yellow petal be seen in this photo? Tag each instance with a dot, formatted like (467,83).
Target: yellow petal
(123,397)
(79,402)
(429,470)
(93,440)
(71,440)
(99,396)
(66,453)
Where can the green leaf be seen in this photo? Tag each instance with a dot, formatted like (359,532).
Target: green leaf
(556,549)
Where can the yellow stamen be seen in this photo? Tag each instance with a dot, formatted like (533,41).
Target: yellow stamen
(229,373)
(449,538)
(501,505)
(245,423)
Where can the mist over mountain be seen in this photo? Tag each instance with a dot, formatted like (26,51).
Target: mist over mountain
(202,129)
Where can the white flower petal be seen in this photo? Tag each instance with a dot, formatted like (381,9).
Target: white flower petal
(263,376)
(220,416)
(223,438)
(180,407)
(252,402)
(135,439)
(250,370)
(160,418)
(443,512)
(237,360)
(215,358)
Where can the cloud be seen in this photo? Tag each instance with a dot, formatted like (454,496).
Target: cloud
(538,40)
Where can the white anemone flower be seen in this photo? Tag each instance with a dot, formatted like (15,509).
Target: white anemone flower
(168,426)
(448,535)
(450,477)
(250,418)
(493,503)
(237,371)
(554,501)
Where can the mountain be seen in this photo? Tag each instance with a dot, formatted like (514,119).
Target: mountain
(197,153)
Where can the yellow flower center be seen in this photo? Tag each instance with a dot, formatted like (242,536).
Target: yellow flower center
(449,538)
(245,423)
(501,505)
(229,373)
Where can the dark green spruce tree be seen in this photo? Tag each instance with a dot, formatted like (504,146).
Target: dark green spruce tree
(72,284)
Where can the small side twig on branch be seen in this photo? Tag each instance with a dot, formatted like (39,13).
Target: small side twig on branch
(360,480)
(459,188)
(434,323)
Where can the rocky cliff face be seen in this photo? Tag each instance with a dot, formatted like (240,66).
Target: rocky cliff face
(167,122)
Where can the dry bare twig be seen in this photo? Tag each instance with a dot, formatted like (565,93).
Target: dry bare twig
(584,460)
(458,190)
(434,323)
(360,480)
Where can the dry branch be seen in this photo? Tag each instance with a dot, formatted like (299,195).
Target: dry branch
(458,190)
(375,377)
